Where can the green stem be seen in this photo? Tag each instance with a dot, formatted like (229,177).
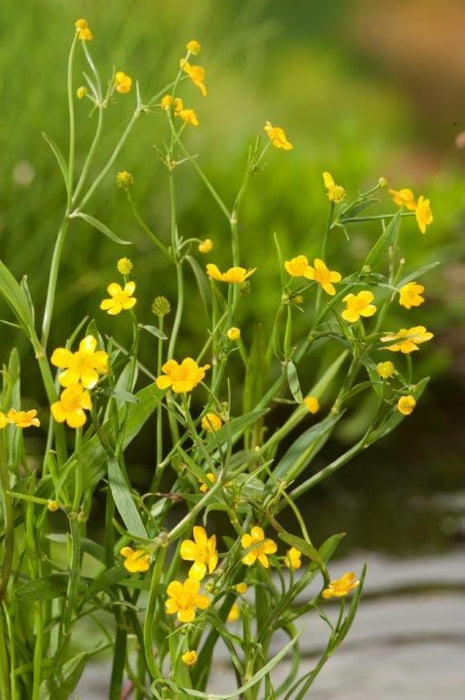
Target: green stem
(145,228)
(72,128)
(4,673)
(8,518)
(157,573)
(52,280)
(374,217)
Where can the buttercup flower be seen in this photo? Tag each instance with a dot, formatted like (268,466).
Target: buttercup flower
(386,370)
(423,214)
(261,549)
(241,588)
(293,558)
(211,422)
(74,400)
(166,102)
(189,657)
(196,74)
(53,506)
(341,586)
(188,116)
(358,305)
(298,266)
(23,419)
(235,275)
(204,486)
(410,295)
(124,179)
(323,276)
(335,193)
(81,92)
(234,614)
(135,560)
(404,198)
(406,404)
(181,378)
(409,339)
(312,404)
(121,299)
(123,83)
(205,246)
(193,47)
(233,333)
(202,551)
(185,599)
(124,265)
(277,137)
(85,365)
(83,31)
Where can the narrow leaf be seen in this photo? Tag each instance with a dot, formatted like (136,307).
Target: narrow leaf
(59,156)
(124,500)
(384,241)
(100,226)
(153,330)
(293,381)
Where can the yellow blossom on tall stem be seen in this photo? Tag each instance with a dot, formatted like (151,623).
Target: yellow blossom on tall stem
(293,558)
(386,370)
(123,83)
(404,198)
(409,339)
(181,377)
(340,587)
(278,137)
(184,599)
(235,275)
(85,365)
(121,299)
(83,31)
(193,47)
(188,116)
(358,305)
(74,400)
(124,266)
(205,246)
(261,547)
(297,267)
(202,551)
(410,295)
(135,560)
(406,405)
(335,193)
(81,92)
(189,657)
(423,214)
(233,333)
(312,404)
(23,419)
(196,74)
(211,422)
(323,276)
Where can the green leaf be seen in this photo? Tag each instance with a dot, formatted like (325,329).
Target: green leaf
(25,287)
(106,579)
(386,239)
(100,226)
(357,208)
(59,156)
(16,299)
(202,283)
(417,273)
(121,395)
(395,417)
(303,546)
(124,501)
(64,680)
(153,330)
(293,381)
(46,588)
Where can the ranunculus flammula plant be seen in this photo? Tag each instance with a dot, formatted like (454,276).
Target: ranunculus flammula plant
(165,568)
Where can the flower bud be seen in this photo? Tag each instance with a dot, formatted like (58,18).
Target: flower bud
(124,179)
(161,306)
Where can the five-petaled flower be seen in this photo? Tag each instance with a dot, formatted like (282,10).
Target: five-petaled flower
(85,365)
(189,657)
(410,295)
(123,83)
(135,560)
(358,305)
(83,31)
(386,370)
(235,275)
(336,193)
(74,400)
(121,299)
(406,404)
(202,551)
(196,74)
(211,422)
(184,599)
(340,587)
(404,198)
(409,339)
(293,558)
(278,137)
(423,213)
(323,276)
(23,419)
(297,267)
(181,377)
(261,547)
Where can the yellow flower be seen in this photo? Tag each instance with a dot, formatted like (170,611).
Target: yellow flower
(277,137)
(166,102)
(323,276)
(235,275)
(193,47)
(358,305)
(341,586)
(81,92)
(211,422)
(3,420)
(312,404)
(261,547)
(211,478)
(404,198)
(135,560)
(188,116)
(234,614)
(233,333)
(293,558)
(123,83)
(189,657)
(410,295)
(406,404)
(185,599)
(241,588)
(23,419)
(386,370)
(124,179)
(298,266)
(409,339)
(178,105)
(202,551)
(335,193)
(53,506)
(196,74)
(423,214)
(71,405)
(83,31)
(205,246)
(83,366)
(183,377)
(121,299)
(124,265)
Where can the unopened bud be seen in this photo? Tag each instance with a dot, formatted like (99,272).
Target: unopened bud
(161,306)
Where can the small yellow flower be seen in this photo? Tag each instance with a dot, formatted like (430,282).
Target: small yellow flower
(81,92)
(193,47)
(53,506)
(124,266)
(181,377)
(185,599)
(178,105)
(277,137)
(85,365)
(74,400)
(404,198)
(358,305)
(233,333)
(234,614)
(188,116)
(123,83)
(121,299)
(135,560)
(23,419)
(83,30)
(298,266)
(196,74)
(335,193)
(293,558)
(409,339)
(410,295)
(205,246)
(406,404)
(211,478)
(235,275)
(312,404)
(386,370)
(341,586)
(423,214)
(261,547)
(202,551)
(124,179)
(211,422)
(189,657)
(3,420)
(323,276)
(241,588)
(166,102)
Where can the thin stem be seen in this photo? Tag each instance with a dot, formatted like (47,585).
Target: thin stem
(9,527)
(72,129)
(52,280)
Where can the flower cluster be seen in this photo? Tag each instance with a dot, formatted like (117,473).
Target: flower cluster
(319,272)
(187,115)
